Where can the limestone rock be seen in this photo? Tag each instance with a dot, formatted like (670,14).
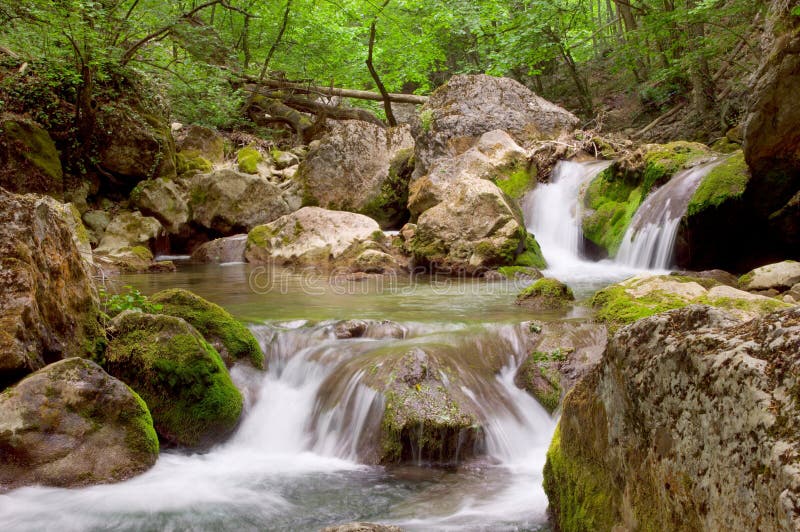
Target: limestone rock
(228,202)
(164,199)
(362,527)
(686,424)
(311,236)
(285,159)
(351,167)
(202,141)
(469,105)
(546,294)
(129,230)
(221,250)
(178,374)
(29,161)
(71,424)
(96,222)
(780,276)
(48,304)
(232,340)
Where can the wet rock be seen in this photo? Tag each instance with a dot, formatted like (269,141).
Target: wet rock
(645,295)
(71,424)
(368,329)
(519,273)
(357,167)
(165,199)
(780,276)
(179,375)
(362,527)
(48,304)
(685,424)
(221,250)
(232,340)
(309,237)
(468,106)
(228,202)
(198,140)
(546,294)
(29,160)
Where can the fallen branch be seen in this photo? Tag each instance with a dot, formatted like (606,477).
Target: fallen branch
(301,88)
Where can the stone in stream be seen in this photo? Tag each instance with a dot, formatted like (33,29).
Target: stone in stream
(546,294)
(221,250)
(232,340)
(781,276)
(48,303)
(361,527)
(179,375)
(71,424)
(689,422)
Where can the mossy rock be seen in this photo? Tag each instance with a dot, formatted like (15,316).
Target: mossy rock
(29,161)
(662,161)
(546,294)
(520,273)
(531,255)
(179,375)
(538,376)
(231,339)
(191,162)
(516,181)
(248,159)
(390,207)
(726,181)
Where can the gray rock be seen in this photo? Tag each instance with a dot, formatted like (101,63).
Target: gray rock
(228,249)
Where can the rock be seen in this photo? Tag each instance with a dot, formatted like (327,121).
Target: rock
(190,163)
(468,106)
(284,159)
(719,276)
(164,199)
(368,329)
(96,222)
(48,303)
(29,160)
(80,236)
(546,294)
(178,374)
(519,273)
(229,202)
(780,276)
(134,143)
(129,230)
(686,424)
(78,195)
(473,228)
(362,527)
(137,259)
(222,250)
(248,160)
(378,261)
(645,295)
(201,141)
(232,340)
(357,167)
(309,237)
(71,424)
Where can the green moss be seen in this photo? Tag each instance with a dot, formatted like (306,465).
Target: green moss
(231,339)
(615,306)
(516,181)
(531,256)
(390,207)
(38,148)
(260,236)
(144,437)
(248,159)
(662,161)
(543,382)
(513,272)
(760,306)
(581,493)
(614,201)
(178,374)
(727,180)
(142,253)
(190,162)
(547,287)
(746,279)
(426,119)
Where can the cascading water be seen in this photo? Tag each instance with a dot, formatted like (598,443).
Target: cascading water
(649,241)
(292,465)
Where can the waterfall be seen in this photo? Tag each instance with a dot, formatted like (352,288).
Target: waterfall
(552,211)
(649,241)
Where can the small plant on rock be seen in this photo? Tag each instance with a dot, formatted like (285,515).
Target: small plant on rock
(130,299)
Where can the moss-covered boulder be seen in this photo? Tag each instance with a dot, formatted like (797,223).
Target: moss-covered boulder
(71,424)
(232,340)
(539,379)
(29,161)
(189,163)
(48,302)
(546,294)
(248,159)
(196,141)
(684,425)
(360,167)
(646,295)
(228,202)
(179,375)
(613,197)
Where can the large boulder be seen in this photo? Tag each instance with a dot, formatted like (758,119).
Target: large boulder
(179,375)
(228,202)
(780,277)
(357,167)
(311,236)
(195,140)
(688,423)
(134,143)
(48,303)
(644,295)
(232,340)
(165,199)
(29,161)
(465,107)
(71,424)
(221,250)
(129,230)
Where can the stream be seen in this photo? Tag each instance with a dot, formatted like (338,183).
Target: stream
(295,461)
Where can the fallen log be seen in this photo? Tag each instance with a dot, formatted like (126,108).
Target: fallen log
(302,88)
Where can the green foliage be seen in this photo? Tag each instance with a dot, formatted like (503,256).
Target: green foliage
(130,299)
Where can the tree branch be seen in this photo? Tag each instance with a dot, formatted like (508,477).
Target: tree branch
(277,41)
(387,103)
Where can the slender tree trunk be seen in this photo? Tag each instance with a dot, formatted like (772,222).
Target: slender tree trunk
(700,73)
(387,103)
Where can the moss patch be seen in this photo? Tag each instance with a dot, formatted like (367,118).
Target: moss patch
(190,162)
(248,159)
(31,162)
(662,161)
(516,181)
(390,207)
(231,339)
(546,294)
(727,180)
(616,307)
(531,255)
